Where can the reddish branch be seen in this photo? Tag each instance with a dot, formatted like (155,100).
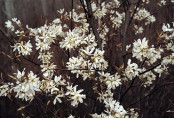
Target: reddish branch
(91,21)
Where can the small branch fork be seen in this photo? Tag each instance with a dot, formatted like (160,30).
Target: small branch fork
(91,21)
(133,80)
(128,20)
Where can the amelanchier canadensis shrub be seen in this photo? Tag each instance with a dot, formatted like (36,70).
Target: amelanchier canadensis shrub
(83,35)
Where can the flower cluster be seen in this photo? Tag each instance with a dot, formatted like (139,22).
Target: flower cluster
(143,14)
(138,30)
(131,70)
(25,86)
(23,48)
(112,81)
(74,95)
(142,51)
(115,110)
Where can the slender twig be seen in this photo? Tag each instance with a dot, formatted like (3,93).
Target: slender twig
(138,3)
(5,34)
(133,80)
(149,94)
(153,84)
(20,106)
(153,67)
(72,1)
(31,61)
(91,21)
(42,106)
(124,31)
(130,86)
(77,69)
(35,55)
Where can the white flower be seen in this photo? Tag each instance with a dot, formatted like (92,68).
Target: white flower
(8,24)
(170,46)
(20,33)
(71,116)
(18,22)
(166,28)
(61,11)
(131,70)
(102,115)
(56,21)
(20,74)
(150,19)
(112,81)
(114,109)
(100,12)
(74,95)
(162,2)
(45,57)
(43,46)
(26,89)
(146,1)
(94,7)
(74,63)
(117,2)
(98,60)
(128,47)
(142,51)
(140,48)
(138,30)
(72,40)
(23,47)
(150,76)
(48,69)
(153,55)
(105,95)
(117,21)
(160,69)
(141,14)
(166,60)
(4,90)
(133,114)
(57,98)
(59,81)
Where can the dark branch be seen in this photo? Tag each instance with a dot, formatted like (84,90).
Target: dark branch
(149,94)
(31,61)
(153,67)
(130,86)
(133,80)
(5,34)
(134,12)
(92,23)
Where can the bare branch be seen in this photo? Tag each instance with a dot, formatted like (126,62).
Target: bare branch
(160,87)
(92,22)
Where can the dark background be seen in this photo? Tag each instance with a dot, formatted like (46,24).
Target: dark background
(35,13)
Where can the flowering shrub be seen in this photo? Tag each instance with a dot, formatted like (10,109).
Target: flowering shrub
(84,42)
